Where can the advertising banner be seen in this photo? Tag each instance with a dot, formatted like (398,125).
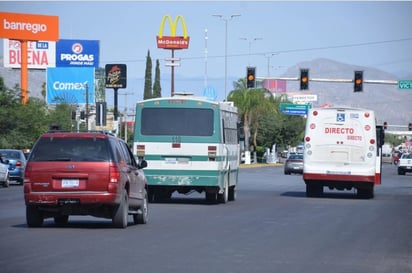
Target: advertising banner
(40,54)
(70,85)
(79,53)
(275,86)
(30,27)
(172,41)
(116,75)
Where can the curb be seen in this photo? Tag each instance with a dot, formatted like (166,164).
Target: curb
(259,165)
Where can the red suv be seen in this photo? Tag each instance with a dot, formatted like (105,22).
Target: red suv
(84,173)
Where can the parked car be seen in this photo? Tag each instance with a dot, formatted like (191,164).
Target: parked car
(4,172)
(294,164)
(84,173)
(16,162)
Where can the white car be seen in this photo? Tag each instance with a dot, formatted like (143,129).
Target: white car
(4,174)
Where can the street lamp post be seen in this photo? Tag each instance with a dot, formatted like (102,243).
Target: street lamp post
(226,19)
(250,45)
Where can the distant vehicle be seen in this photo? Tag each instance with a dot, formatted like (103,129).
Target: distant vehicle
(16,162)
(405,164)
(85,173)
(190,144)
(4,172)
(396,155)
(342,151)
(294,164)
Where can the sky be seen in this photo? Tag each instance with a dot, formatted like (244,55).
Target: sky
(269,35)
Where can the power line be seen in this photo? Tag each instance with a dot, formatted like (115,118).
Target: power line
(291,50)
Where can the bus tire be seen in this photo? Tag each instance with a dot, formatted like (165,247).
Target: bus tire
(313,189)
(232,193)
(224,197)
(211,197)
(365,193)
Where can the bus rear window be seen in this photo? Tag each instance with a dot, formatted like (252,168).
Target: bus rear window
(177,121)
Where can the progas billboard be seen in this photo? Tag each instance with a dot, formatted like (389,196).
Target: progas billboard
(70,85)
(79,53)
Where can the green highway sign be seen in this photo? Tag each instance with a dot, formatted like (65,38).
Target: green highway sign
(294,109)
(405,84)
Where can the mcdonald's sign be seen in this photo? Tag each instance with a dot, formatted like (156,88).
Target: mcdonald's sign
(173,41)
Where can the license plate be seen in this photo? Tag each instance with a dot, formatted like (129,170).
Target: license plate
(70,183)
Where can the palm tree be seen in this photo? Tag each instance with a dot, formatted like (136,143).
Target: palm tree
(251,104)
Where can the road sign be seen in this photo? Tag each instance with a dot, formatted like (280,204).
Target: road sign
(294,109)
(405,84)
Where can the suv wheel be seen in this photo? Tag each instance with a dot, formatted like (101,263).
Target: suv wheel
(142,216)
(61,220)
(122,211)
(34,217)
(7,182)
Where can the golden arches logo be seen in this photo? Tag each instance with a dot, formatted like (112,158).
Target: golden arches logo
(173,41)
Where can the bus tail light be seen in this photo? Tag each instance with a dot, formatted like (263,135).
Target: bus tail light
(140,150)
(211,152)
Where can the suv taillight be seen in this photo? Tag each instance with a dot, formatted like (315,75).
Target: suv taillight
(114,173)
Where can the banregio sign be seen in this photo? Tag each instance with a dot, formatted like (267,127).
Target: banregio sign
(70,85)
(80,53)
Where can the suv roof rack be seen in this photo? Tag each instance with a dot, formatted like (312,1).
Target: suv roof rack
(85,131)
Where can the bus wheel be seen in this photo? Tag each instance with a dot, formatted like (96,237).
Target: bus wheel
(365,193)
(313,190)
(224,197)
(232,193)
(211,197)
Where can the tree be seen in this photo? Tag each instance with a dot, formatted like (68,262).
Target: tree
(157,90)
(251,104)
(148,78)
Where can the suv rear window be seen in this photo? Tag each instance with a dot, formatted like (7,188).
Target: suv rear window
(71,149)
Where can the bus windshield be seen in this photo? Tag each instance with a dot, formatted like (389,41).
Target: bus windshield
(177,121)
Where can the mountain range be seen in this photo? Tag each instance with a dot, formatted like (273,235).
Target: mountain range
(389,103)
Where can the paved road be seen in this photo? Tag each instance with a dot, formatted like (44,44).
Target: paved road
(272,227)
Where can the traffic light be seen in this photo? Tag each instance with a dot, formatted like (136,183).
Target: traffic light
(82,115)
(385,125)
(73,115)
(250,77)
(410,126)
(358,81)
(304,79)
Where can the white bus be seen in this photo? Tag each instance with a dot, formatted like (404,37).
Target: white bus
(342,151)
(190,144)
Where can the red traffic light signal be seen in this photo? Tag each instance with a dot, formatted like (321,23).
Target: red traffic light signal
(385,125)
(304,79)
(358,81)
(250,77)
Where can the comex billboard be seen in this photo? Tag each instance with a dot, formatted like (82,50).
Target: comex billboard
(70,85)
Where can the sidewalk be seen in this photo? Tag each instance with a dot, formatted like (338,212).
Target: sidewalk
(259,165)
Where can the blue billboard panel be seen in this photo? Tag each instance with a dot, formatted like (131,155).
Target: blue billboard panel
(79,53)
(70,85)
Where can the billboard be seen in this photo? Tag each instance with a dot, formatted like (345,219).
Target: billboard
(172,41)
(40,54)
(70,85)
(275,86)
(79,53)
(116,75)
(30,27)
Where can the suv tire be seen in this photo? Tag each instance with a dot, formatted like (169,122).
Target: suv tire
(33,217)
(121,212)
(142,216)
